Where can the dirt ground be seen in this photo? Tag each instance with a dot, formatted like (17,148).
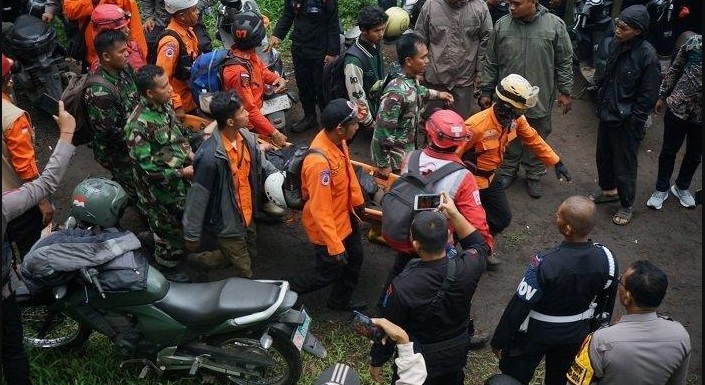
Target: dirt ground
(670,237)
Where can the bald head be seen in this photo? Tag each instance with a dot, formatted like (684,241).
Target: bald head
(579,213)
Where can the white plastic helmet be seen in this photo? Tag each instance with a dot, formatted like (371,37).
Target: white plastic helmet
(273,188)
(397,23)
(173,6)
(517,91)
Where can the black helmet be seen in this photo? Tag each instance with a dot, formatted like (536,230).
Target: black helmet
(248,30)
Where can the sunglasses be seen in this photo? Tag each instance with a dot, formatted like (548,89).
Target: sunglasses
(353,114)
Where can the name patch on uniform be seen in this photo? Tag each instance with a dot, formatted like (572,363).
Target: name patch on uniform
(245,79)
(325,177)
(581,372)
(169,52)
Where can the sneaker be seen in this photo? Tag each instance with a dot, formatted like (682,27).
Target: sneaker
(478,340)
(684,196)
(493,262)
(657,199)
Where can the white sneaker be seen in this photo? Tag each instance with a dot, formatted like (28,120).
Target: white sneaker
(656,200)
(684,196)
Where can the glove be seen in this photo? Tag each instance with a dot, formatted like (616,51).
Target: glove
(562,171)
(339,259)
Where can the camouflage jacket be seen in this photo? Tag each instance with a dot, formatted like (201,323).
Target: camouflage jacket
(158,150)
(108,113)
(682,85)
(397,121)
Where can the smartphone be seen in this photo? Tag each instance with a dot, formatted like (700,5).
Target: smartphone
(427,201)
(364,326)
(48,104)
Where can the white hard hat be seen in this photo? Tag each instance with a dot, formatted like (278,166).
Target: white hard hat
(173,6)
(273,188)
(517,91)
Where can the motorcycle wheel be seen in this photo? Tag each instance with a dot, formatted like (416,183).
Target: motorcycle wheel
(287,357)
(45,328)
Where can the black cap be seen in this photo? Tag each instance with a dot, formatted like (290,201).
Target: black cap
(338,374)
(338,111)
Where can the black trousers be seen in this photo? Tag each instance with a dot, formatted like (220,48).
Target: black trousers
(522,366)
(675,132)
(25,230)
(344,278)
(309,80)
(15,364)
(496,204)
(616,158)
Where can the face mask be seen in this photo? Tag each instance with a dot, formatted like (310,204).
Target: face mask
(504,113)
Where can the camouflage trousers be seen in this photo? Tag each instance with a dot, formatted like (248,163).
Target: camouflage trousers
(165,224)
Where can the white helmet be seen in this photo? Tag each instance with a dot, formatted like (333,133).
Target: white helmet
(173,6)
(273,188)
(517,91)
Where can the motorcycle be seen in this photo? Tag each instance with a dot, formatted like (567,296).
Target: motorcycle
(32,44)
(235,330)
(592,23)
(275,105)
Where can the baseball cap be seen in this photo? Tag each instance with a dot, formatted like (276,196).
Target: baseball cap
(6,65)
(338,374)
(338,111)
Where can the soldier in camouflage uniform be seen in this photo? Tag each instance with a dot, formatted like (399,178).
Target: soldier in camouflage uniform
(397,121)
(161,158)
(108,111)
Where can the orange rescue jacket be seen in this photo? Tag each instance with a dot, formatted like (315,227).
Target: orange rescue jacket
(168,58)
(332,191)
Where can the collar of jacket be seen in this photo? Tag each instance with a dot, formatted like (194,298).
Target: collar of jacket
(366,47)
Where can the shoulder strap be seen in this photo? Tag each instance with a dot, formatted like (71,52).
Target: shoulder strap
(171,32)
(435,176)
(435,304)
(97,79)
(235,60)
(316,151)
(354,50)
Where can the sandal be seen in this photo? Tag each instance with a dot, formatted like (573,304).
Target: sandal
(600,197)
(623,216)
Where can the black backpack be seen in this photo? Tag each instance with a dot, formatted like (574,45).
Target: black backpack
(292,176)
(398,203)
(183,66)
(334,76)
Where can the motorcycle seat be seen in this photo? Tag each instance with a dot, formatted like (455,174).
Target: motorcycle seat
(212,303)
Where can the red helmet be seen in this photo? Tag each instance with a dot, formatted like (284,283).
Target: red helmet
(109,17)
(446,129)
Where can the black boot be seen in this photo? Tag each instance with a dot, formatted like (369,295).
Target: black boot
(307,122)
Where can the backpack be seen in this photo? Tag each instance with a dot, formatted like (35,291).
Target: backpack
(207,75)
(292,176)
(398,202)
(334,76)
(73,97)
(183,66)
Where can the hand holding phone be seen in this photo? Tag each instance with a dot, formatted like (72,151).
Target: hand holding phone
(48,104)
(427,202)
(364,326)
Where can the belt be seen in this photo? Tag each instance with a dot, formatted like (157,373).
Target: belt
(484,173)
(558,319)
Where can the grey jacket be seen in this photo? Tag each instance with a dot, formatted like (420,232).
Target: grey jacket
(456,40)
(16,202)
(210,201)
(539,50)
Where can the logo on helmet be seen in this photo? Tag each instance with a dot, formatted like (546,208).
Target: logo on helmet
(79,201)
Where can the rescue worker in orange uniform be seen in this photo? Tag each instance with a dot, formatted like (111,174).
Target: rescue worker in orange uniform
(251,80)
(177,64)
(19,165)
(333,194)
(490,131)
(81,11)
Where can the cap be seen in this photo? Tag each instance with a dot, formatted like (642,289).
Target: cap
(338,111)
(6,65)
(338,374)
